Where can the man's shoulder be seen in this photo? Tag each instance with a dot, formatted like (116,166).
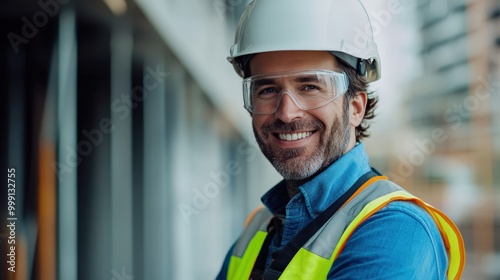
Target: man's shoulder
(399,239)
(402,210)
(405,212)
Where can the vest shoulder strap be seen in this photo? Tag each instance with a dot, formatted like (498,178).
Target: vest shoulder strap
(327,244)
(284,256)
(247,247)
(256,221)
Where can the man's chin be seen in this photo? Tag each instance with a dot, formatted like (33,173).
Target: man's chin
(290,154)
(290,175)
(296,168)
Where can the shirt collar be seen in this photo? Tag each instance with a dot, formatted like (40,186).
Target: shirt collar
(324,189)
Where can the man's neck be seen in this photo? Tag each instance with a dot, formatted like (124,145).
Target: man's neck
(292,186)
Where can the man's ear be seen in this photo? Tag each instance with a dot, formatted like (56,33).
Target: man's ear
(357,108)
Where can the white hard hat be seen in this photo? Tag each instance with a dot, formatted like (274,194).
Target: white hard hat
(341,27)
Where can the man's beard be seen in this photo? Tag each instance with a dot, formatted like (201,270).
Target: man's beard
(289,163)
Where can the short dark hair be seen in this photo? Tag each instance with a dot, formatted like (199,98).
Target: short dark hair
(357,84)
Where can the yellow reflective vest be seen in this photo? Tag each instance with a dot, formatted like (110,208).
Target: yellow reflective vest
(316,257)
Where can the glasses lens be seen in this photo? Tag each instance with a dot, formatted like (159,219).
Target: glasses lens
(309,89)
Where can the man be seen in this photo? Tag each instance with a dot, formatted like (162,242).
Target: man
(306,66)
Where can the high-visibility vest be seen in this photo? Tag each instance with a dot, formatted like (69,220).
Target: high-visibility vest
(315,259)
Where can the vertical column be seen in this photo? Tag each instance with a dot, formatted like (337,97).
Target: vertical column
(67,136)
(15,158)
(183,173)
(46,236)
(157,235)
(121,149)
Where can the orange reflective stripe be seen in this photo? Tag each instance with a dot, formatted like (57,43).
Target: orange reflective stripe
(252,214)
(455,251)
(364,186)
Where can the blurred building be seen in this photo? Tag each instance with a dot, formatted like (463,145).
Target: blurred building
(124,123)
(134,156)
(452,111)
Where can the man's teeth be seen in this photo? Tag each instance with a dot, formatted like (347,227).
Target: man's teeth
(294,136)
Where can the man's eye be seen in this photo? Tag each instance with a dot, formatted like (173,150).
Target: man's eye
(266,92)
(310,88)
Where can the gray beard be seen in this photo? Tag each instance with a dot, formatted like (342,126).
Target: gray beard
(288,162)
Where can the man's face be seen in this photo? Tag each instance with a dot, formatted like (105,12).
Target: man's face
(323,134)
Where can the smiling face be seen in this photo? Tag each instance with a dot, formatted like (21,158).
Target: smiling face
(301,143)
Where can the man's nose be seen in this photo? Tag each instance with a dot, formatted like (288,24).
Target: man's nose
(288,110)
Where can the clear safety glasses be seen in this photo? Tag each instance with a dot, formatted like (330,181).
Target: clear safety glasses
(309,89)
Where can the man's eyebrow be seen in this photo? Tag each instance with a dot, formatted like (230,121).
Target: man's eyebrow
(263,82)
(300,79)
(306,78)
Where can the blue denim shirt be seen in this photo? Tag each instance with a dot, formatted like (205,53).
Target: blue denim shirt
(400,241)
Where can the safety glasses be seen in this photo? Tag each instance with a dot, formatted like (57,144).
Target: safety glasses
(309,89)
